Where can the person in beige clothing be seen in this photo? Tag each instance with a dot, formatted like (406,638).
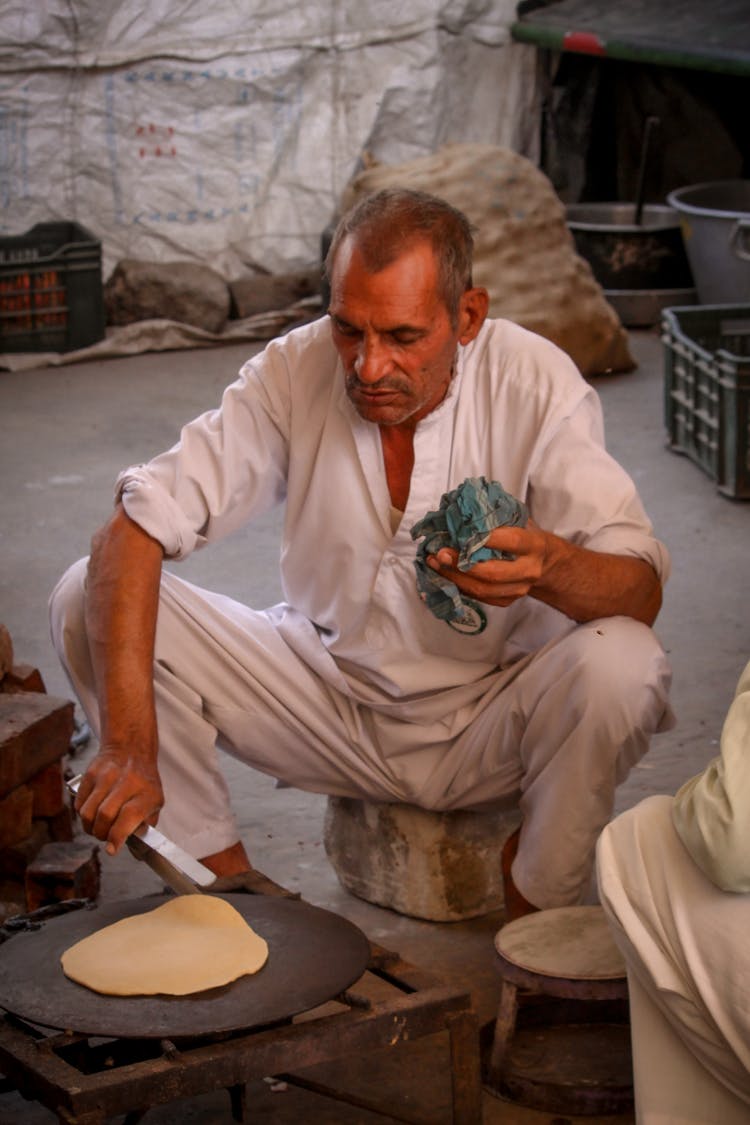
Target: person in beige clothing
(674,880)
(359,423)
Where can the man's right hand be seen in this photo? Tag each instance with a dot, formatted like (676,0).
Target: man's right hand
(121,788)
(116,796)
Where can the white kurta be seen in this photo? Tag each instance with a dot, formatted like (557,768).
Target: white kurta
(517,412)
(352,686)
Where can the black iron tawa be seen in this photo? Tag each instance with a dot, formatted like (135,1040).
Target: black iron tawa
(313,956)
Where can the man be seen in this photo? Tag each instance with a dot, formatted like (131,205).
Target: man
(674,875)
(360,422)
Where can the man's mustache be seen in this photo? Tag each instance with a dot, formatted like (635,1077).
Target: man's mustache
(398,385)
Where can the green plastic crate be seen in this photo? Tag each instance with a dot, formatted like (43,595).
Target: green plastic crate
(51,295)
(707,390)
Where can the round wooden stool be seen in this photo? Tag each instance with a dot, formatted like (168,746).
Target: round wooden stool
(561,1040)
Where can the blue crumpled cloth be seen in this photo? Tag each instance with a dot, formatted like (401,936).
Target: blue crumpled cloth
(464,520)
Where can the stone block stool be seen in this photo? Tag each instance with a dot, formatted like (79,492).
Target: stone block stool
(561,1040)
(440,866)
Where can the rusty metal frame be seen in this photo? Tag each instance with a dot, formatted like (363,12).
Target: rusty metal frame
(42,1066)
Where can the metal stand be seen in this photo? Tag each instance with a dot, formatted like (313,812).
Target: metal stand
(86,1081)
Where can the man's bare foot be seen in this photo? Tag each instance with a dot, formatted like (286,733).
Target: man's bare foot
(516,906)
(231,861)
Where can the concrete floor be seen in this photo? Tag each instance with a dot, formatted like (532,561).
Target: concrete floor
(64,434)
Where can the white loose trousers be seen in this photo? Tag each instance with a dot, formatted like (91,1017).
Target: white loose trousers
(686,944)
(554,733)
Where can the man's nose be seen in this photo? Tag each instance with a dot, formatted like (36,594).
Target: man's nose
(373,361)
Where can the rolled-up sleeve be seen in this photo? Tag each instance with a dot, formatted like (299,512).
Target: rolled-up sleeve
(229,465)
(149,504)
(711,812)
(578,489)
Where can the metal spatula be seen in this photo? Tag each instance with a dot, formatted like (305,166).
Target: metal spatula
(180,871)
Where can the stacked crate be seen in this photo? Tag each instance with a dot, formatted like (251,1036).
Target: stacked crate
(707,391)
(51,295)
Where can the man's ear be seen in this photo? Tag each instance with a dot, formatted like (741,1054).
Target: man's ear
(472,312)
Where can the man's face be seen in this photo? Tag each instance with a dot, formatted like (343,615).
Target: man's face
(393,334)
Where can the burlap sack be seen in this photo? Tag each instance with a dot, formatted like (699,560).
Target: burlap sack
(525,255)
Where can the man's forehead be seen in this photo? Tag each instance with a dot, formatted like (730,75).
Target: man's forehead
(374,257)
(403,291)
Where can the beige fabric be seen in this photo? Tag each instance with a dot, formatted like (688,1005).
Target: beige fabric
(685,944)
(524,255)
(190,944)
(672,1088)
(710,812)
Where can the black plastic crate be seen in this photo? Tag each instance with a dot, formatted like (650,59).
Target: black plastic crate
(707,390)
(51,297)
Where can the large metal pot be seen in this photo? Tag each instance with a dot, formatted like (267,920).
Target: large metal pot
(625,255)
(715,219)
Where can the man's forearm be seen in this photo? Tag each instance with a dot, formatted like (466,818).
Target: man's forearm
(581,583)
(586,585)
(121,608)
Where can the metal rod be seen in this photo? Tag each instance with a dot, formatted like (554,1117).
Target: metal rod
(651,123)
(347,1098)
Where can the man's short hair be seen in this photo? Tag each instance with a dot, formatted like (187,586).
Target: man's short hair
(389,222)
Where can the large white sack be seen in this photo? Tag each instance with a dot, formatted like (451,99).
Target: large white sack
(226,132)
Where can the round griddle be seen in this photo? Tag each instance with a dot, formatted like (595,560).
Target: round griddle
(313,956)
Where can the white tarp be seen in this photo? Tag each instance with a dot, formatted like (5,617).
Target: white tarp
(225,132)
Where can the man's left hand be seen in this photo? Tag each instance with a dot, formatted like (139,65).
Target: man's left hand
(498,581)
(581,583)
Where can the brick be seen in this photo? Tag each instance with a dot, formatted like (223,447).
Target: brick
(62,871)
(15,859)
(15,815)
(64,825)
(6,651)
(23,677)
(49,790)
(35,730)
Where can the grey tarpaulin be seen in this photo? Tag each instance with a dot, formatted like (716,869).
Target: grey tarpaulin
(463,521)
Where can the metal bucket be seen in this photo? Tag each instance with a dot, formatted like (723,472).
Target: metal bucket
(715,221)
(624,255)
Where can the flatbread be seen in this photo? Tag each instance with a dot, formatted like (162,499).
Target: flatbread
(190,944)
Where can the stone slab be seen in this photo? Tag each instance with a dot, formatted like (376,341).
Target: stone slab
(441,866)
(189,292)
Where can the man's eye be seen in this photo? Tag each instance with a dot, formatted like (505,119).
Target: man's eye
(404,338)
(346,329)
